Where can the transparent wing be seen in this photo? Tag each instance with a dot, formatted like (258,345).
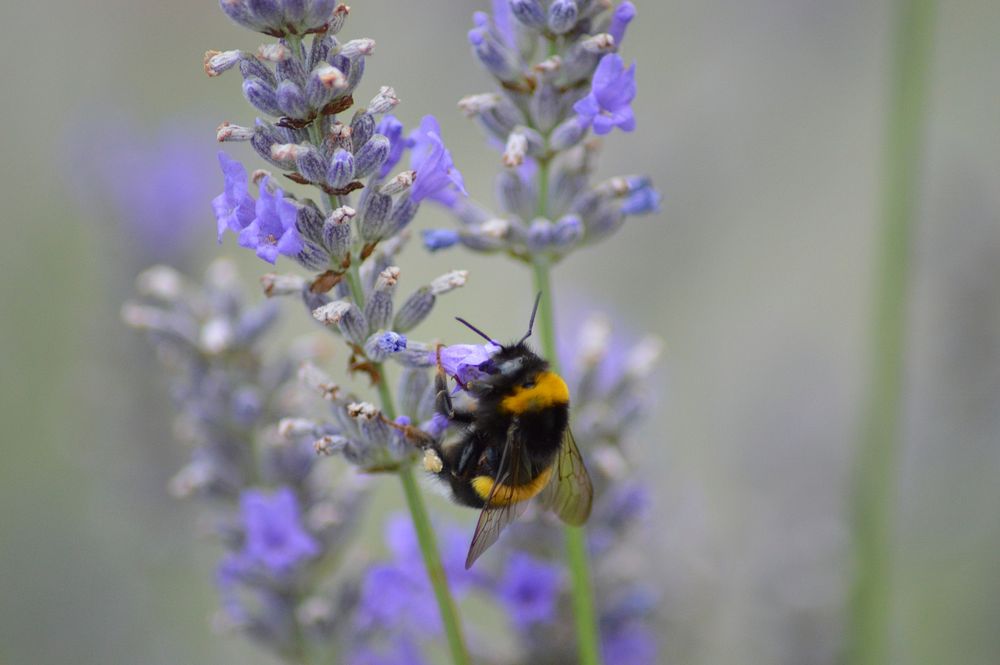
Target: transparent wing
(500,509)
(570,493)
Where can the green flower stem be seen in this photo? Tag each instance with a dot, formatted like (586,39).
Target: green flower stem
(875,472)
(585,616)
(418,512)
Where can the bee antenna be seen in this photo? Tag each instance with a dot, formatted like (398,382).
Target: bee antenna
(475,329)
(531,321)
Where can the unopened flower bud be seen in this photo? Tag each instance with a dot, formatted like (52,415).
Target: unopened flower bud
(529,12)
(562,16)
(374,217)
(378,309)
(362,127)
(372,155)
(399,184)
(473,105)
(261,96)
(449,281)
(274,52)
(382,344)
(515,150)
(292,100)
(384,101)
(160,282)
(347,317)
(230,132)
(357,48)
(341,170)
(281,285)
(217,62)
(310,163)
(414,310)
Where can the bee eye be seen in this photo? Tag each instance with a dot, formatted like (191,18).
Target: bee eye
(528,384)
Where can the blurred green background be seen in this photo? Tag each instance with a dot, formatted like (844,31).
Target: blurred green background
(762,124)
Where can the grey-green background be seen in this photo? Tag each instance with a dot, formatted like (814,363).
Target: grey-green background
(761,122)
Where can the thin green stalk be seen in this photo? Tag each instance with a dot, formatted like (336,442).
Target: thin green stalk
(418,513)
(875,474)
(585,616)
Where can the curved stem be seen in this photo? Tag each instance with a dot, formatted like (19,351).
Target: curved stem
(418,512)
(584,613)
(875,471)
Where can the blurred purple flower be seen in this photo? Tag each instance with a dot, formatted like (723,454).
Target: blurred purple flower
(398,593)
(234,207)
(529,589)
(642,198)
(436,178)
(435,239)
(629,644)
(401,651)
(274,534)
(272,231)
(391,128)
(611,93)
(156,181)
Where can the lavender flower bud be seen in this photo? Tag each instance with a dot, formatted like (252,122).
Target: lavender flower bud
(262,96)
(319,382)
(516,197)
(378,309)
(403,212)
(473,105)
(567,231)
(372,155)
(529,12)
(374,216)
(347,317)
(291,100)
(281,285)
(358,48)
(562,16)
(324,83)
(160,282)
(414,310)
(545,106)
(383,344)
(275,52)
(337,20)
(515,150)
(341,170)
(435,239)
(384,101)
(340,136)
(494,56)
(539,235)
(251,67)
(399,184)
(371,426)
(449,282)
(310,163)
(329,445)
(362,128)
(337,234)
(413,383)
(228,132)
(622,16)
(216,62)
(567,134)
(309,223)
(266,137)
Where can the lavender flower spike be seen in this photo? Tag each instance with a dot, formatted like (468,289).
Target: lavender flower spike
(611,93)
(436,177)
(530,589)
(234,207)
(272,231)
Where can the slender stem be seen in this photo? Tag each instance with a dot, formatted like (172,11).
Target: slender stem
(435,569)
(875,473)
(418,512)
(585,616)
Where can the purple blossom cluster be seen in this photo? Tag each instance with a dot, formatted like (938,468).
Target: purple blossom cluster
(542,111)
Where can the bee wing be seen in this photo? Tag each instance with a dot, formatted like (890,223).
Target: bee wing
(500,510)
(570,493)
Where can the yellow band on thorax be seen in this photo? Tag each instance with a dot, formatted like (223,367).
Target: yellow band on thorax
(549,390)
(508,494)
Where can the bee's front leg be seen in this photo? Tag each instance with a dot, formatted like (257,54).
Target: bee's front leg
(442,399)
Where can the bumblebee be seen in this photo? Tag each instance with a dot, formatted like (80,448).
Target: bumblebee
(515,444)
